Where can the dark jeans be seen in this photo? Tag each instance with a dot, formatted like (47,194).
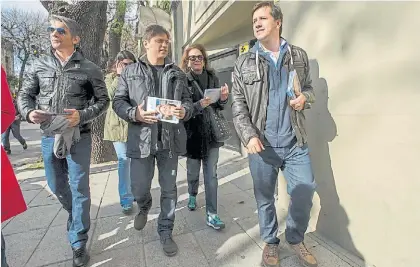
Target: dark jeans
(5,137)
(68,179)
(296,166)
(210,178)
(141,173)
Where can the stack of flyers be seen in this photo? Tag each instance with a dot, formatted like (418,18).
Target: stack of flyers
(164,107)
(213,94)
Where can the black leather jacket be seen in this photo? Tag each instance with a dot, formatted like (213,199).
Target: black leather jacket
(49,86)
(250,94)
(135,84)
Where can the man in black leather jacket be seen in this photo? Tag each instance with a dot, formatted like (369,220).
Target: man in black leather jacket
(268,116)
(150,140)
(69,85)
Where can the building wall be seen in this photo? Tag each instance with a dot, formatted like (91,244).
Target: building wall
(7,60)
(364,128)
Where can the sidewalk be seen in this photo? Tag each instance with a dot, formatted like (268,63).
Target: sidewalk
(31,133)
(38,236)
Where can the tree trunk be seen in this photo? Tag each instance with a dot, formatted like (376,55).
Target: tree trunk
(116,29)
(91,15)
(22,71)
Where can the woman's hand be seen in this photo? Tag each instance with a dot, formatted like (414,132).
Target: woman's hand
(205,102)
(225,93)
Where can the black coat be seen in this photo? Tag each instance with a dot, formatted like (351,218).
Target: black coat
(198,128)
(134,85)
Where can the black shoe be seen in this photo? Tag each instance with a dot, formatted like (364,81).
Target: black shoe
(170,248)
(25,146)
(80,257)
(8,151)
(140,220)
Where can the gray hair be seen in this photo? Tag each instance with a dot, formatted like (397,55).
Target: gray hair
(73,26)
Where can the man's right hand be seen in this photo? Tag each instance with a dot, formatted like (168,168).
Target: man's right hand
(38,116)
(254,146)
(148,117)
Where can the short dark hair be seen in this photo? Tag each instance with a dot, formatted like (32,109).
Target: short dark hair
(276,12)
(124,54)
(154,30)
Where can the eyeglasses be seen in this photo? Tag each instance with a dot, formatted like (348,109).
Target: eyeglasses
(161,41)
(195,58)
(52,29)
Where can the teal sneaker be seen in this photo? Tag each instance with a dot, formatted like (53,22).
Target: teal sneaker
(214,221)
(192,203)
(127,209)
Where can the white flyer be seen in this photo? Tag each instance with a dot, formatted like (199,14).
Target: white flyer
(213,94)
(164,107)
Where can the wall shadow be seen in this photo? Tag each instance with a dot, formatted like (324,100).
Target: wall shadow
(333,220)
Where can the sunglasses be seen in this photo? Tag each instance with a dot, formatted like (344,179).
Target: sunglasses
(126,64)
(195,58)
(52,29)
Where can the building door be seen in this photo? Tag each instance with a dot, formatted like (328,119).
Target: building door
(225,76)
(223,63)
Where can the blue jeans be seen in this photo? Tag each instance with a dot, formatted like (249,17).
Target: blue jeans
(210,178)
(68,179)
(296,166)
(124,184)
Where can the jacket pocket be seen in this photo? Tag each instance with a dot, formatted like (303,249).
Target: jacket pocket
(44,103)
(250,78)
(139,140)
(180,139)
(78,78)
(46,81)
(76,84)
(137,80)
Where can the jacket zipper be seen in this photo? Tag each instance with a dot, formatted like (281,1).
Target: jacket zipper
(166,93)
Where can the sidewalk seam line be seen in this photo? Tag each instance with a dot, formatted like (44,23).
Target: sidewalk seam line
(42,238)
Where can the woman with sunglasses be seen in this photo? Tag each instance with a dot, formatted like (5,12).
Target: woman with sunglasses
(116,131)
(201,149)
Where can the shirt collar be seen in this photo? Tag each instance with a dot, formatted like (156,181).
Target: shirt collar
(66,60)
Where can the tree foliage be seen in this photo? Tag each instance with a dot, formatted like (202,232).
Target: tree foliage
(26,31)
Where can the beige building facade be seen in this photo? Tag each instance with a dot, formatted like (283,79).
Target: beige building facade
(7,60)
(364,128)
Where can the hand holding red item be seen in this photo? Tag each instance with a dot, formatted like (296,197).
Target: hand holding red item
(12,202)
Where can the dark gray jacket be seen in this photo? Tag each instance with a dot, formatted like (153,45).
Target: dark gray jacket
(51,87)
(250,94)
(135,84)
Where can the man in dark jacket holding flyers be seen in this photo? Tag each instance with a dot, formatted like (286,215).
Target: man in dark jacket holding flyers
(150,140)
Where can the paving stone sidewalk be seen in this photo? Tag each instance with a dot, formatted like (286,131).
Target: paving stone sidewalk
(38,236)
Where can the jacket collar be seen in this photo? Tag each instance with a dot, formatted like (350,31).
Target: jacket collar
(258,47)
(190,75)
(144,59)
(77,55)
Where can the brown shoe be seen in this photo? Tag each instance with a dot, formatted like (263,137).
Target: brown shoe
(306,258)
(270,256)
